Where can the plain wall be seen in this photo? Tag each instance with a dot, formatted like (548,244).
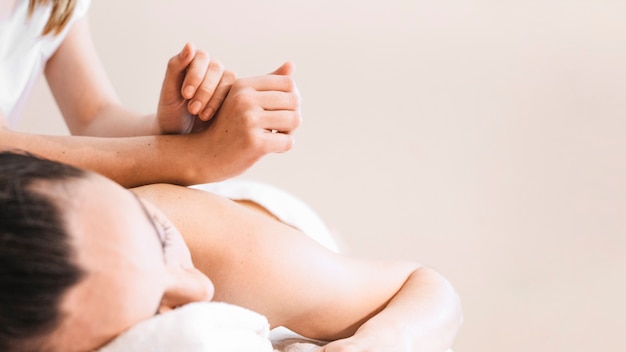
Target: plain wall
(486,139)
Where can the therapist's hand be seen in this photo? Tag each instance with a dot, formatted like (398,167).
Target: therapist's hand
(194,88)
(257,117)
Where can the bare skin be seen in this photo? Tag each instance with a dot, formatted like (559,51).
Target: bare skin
(383,306)
(153,148)
(137,264)
(299,284)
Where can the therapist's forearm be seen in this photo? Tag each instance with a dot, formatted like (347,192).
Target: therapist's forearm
(114,120)
(131,161)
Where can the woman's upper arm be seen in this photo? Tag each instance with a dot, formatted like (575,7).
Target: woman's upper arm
(272,268)
(77,78)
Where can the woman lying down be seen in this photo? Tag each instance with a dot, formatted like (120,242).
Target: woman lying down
(83,260)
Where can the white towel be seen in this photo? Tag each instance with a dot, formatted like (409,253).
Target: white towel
(282,204)
(197,327)
(285,340)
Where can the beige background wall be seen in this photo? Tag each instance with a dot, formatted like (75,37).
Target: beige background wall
(486,139)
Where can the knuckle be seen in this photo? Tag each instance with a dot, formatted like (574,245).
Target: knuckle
(256,144)
(243,99)
(298,96)
(217,65)
(215,102)
(201,54)
(204,92)
(295,101)
(253,120)
(192,77)
(261,146)
(290,102)
(239,84)
(288,143)
(202,97)
(249,120)
(229,76)
(297,120)
(289,83)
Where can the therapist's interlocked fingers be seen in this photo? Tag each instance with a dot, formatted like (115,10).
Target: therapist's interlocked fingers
(194,88)
(257,117)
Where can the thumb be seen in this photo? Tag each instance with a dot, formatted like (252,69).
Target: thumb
(177,66)
(286,69)
(180,62)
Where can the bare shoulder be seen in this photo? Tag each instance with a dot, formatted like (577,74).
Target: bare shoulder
(260,263)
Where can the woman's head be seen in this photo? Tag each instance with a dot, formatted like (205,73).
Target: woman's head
(60,15)
(117,260)
(37,262)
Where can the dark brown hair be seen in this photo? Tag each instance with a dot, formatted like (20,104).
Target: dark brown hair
(37,261)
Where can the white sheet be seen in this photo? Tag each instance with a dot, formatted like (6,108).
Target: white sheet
(208,327)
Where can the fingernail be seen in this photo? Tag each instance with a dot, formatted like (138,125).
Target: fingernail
(195,107)
(188,91)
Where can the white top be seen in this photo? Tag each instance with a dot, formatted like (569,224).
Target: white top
(24,51)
